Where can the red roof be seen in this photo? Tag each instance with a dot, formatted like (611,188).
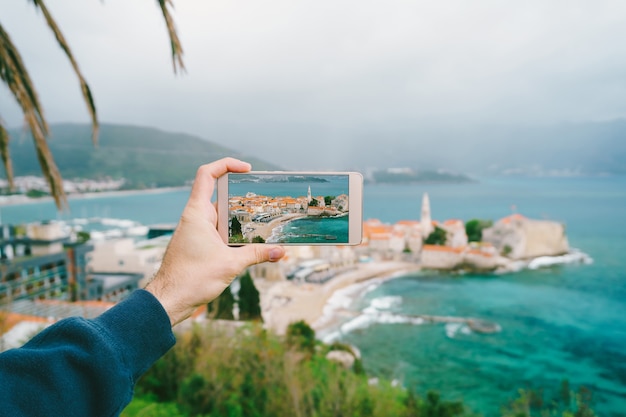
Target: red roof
(438,248)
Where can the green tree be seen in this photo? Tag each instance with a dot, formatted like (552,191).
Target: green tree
(222,306)
(329,199)
(14,75)
(437,237)
(36,193)
(249,299)
(474,229)
(301,336)
(258,239)
(235,228)
(314,203)
(83,236)
(434,407)
(565,404)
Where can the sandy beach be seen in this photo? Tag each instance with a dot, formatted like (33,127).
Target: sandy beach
(265,229)
(285,302)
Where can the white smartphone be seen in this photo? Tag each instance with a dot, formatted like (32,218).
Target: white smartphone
(290,208)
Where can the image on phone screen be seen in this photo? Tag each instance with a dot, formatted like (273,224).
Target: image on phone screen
(299,209)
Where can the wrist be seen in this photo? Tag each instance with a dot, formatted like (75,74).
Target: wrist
(162,289)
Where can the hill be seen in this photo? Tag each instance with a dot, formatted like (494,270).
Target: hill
(146,157)
(584,148)
(477,149)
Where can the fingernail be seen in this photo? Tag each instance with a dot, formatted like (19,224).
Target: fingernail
(276,254)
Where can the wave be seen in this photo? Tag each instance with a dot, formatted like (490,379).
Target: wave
(378,312)
(453,328)
(575,256)
(375,313)
(276,234)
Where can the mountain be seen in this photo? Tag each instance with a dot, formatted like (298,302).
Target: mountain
(588,148)
(486,148)
(146,157)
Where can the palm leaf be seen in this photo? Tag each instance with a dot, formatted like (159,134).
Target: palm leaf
(177,49)
(14,74)
(91,107)
(4,154)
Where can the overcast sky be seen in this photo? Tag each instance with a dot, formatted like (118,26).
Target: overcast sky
(326,71)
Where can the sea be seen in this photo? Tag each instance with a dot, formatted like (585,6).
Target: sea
(562,321)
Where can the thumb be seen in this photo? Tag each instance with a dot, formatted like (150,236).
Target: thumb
(259,253)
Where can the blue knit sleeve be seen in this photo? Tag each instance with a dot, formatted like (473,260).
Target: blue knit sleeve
(86,368)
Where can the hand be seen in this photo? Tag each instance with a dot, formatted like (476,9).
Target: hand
(197,265)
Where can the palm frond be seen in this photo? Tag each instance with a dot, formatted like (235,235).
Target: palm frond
(177,49)
(5,155)
(50,170)
(91,107)
(14,74)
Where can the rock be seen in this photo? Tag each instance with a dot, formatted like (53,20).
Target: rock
(346,359)
(518,237)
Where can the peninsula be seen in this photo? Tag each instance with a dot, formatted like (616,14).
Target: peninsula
(300,287)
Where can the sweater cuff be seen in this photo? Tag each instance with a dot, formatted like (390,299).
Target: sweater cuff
(141,328)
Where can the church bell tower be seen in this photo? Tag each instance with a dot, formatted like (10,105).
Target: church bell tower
(426,220)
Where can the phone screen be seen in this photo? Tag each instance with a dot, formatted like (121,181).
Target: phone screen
(310,208)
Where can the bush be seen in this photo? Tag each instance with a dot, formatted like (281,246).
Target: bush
(301,336)
(474,229)
(437,237)
(248,372)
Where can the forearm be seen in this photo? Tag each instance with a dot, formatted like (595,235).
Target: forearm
(80,367)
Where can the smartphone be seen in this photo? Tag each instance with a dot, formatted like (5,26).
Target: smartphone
(290,208)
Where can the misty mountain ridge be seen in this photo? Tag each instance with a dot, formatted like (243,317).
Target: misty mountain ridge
(145,157)
(564,149)
(152,157)
(571,149)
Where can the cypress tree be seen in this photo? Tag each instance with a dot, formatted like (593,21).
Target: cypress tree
(235,227)
(249,299)
(225,303)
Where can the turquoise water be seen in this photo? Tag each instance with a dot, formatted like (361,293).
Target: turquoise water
(313,230)
(563,322)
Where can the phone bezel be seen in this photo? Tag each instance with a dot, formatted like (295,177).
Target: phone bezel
(355,201)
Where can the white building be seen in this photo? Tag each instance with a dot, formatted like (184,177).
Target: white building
(127,256)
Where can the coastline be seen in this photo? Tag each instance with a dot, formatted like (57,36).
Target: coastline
(266,230)
(285,302)
(20,199)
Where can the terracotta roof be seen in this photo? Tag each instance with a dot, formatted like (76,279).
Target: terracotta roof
(509,219)
(437,248)
(11,319)
(408,222)
(480,253)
